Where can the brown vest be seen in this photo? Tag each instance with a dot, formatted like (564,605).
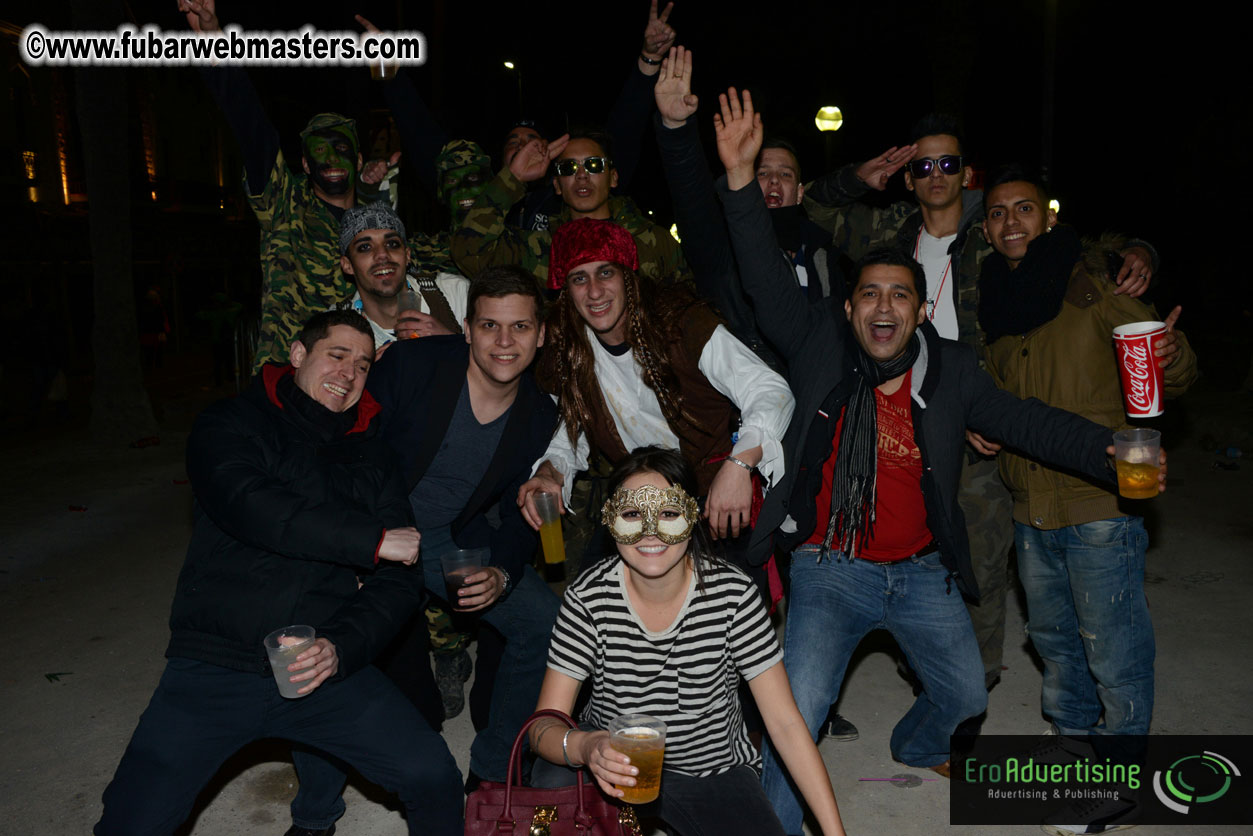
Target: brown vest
(708,416)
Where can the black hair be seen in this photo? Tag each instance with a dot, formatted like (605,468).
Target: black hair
(319,326)
(1013,173)
(601,138)
(671,466)
(780,142)
(505,280)
(892,257)
(939,123)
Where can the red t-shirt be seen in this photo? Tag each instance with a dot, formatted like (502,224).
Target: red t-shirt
(900,527)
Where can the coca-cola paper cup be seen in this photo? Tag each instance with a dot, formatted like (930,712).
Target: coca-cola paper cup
(1142,379)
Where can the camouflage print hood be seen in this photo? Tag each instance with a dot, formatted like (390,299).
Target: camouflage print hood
(460,153)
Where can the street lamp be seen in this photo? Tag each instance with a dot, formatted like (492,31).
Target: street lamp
(829,118)
(509,65)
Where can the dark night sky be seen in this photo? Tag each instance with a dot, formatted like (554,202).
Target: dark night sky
(1150,112)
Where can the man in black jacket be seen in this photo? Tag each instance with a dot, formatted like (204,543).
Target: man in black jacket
(706,245)
(868,504)
(300,518)
(467,421)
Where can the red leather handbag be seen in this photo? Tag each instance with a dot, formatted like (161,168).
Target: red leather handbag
(579,810)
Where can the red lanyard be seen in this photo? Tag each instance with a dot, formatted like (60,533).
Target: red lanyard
(943,277)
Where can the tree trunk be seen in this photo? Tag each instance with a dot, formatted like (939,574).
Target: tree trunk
(120,411)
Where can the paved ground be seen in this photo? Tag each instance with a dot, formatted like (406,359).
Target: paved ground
(84,597)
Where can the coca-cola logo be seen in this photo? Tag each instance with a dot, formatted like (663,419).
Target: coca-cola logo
(1139,377)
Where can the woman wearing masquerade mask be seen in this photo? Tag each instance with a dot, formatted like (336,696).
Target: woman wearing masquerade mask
(667,630)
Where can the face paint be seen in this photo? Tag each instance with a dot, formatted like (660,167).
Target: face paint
(461,187)
(332,158)
(669,514)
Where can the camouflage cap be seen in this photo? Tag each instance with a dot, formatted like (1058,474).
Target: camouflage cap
(460,153)
(331,121)
(358,219)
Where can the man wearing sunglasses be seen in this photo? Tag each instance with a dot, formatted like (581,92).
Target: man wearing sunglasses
(583,176)
(941,231)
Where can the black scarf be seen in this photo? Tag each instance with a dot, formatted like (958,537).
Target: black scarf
(787,222)
(320,422)
(1021,300)
(856,460)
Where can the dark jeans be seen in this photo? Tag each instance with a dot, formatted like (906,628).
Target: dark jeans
(525,617)
(201,714)
(727,804)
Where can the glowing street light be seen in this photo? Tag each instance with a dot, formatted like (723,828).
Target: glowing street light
(508,65)
(1056,206)
(829,118)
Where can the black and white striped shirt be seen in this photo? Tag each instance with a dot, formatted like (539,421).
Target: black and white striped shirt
(686,675)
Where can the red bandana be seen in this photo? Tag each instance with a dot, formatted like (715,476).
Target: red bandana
(586,240)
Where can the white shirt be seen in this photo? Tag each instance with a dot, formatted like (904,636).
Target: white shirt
(455,289)
(932,254)
(762,396)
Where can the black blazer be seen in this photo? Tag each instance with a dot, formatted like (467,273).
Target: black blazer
(418,383)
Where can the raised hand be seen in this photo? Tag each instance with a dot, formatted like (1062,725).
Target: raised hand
(673,91)
(374,170)
(876,172)
(202,15)
(658,35)
(532,160)
(739,133)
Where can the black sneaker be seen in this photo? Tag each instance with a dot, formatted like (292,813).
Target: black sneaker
(1102,815)
(837,728)
(451,672)
(304,831)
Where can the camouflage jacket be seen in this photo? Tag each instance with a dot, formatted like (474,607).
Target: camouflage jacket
(300,257)
(485,240)
(856,229)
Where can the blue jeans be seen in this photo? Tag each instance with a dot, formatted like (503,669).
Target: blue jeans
(1088,618)
(834,602)
(525,617)
(201,714)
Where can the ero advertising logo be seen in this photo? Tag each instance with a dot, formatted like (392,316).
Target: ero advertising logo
(1194,779)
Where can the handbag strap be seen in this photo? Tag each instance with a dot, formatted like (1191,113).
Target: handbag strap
(515,758)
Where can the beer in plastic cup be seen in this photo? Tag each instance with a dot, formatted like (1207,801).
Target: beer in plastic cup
(1142,378)
(460,565)
(383,70)
(1137,462)
(283,646)
(550,529)
(643,740)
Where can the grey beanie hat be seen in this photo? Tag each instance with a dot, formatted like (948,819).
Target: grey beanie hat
(356,220)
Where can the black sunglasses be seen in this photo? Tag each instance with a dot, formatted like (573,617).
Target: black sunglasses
(949,164)
(592,165)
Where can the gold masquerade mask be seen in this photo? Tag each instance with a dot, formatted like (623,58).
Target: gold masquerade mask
(669,514)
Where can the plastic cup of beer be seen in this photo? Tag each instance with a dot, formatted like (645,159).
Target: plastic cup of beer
(460,565)
(383,70)
(547,506)
(1137,461)
(283,646)
(643,740)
